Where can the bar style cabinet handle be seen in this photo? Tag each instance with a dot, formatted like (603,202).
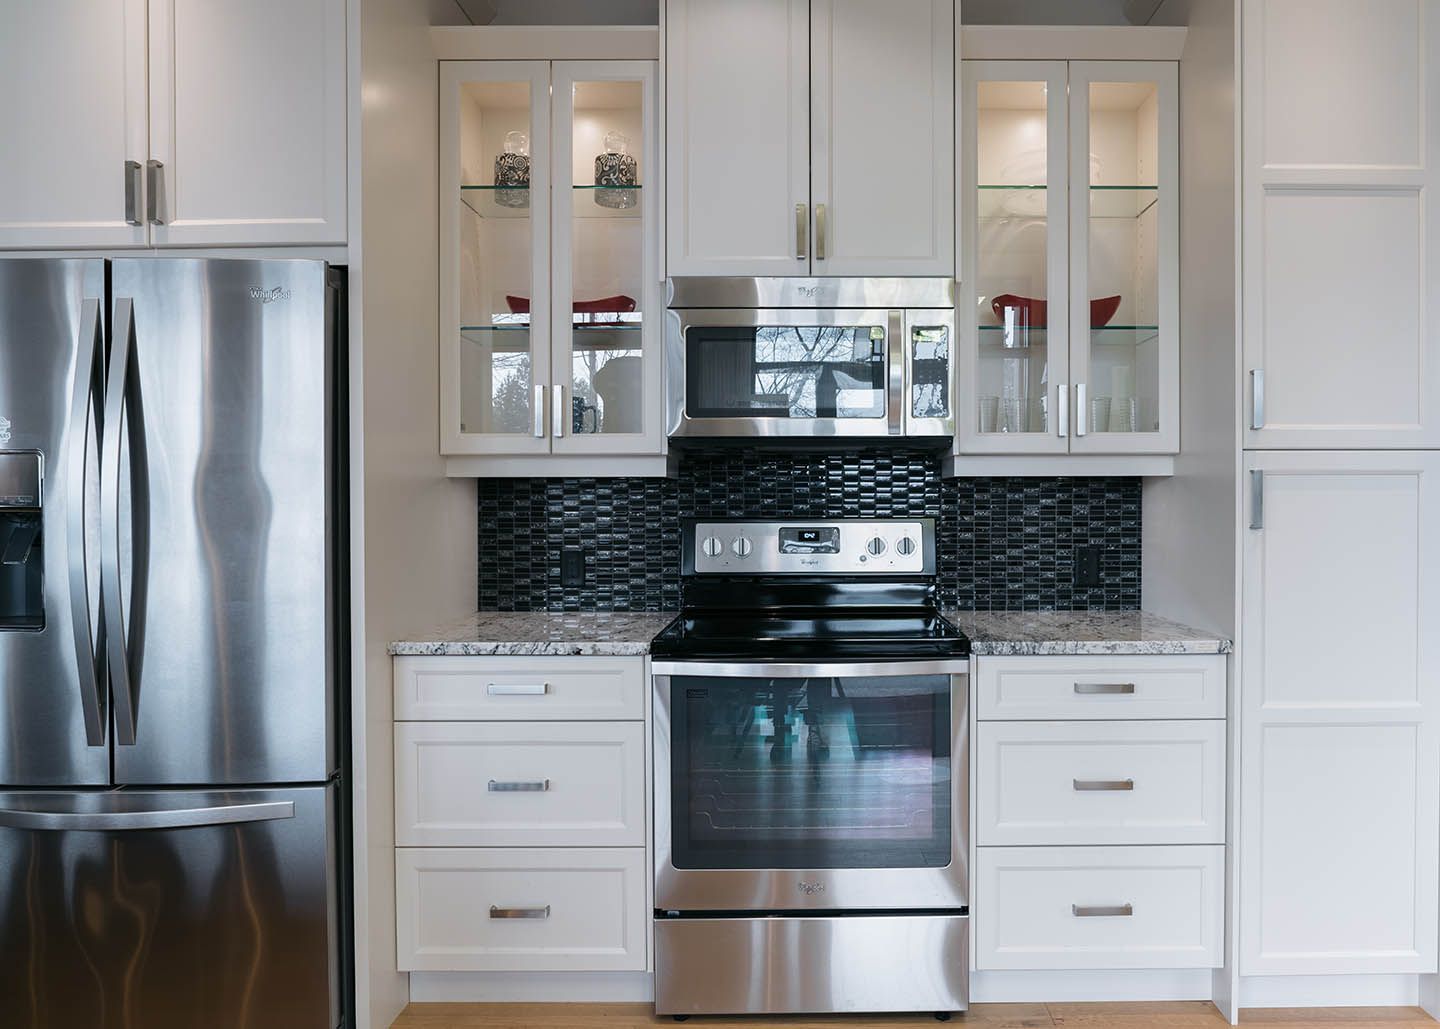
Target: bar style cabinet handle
(1104,688)
(819,232)
(539,405)
(801,230)
(517,689)
(895,330)
(1102,910)
(557,411)
(1082,410)
(519,912)
(153,172)
(133,189)
(1062,414)
(1257,499)
(1103,785)
(1257,398)
(519,786)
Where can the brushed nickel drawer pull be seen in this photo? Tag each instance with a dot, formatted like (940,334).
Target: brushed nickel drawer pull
(519,912)
(1101,910)
(521,786)
(1099,785)
(517,689)
(1104,688)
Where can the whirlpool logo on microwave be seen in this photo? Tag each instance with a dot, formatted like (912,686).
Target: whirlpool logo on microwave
(271,295)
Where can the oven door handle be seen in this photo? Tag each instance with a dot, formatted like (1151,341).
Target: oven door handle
(832,670)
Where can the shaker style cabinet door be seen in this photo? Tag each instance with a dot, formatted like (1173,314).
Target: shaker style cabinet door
(247,122)
(882,127)
(1341,744)
(73,75)
(1341,232)
(737,137)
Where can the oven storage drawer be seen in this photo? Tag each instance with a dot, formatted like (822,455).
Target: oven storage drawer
(431,689)
(1062,783)
(512,910)
(520,784)
(1103,687)
(1099,907)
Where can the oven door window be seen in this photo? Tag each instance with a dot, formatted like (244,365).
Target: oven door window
(850,772)
(785,371)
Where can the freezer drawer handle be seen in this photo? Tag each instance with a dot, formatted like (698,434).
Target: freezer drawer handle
(1104,688)
(522,786)
(517,689)
(129,821)
(1102,910)
(1102,785)
(519,912)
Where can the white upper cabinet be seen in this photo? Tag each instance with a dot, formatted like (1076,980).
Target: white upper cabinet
(882,134)
(73,75)
(173,122)
(1341,238)
(247,121)
(810,138)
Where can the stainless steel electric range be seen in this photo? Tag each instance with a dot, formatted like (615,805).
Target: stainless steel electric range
(810,774)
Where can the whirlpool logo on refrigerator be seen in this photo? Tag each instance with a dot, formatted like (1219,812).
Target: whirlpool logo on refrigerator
(270,296)
(4,430)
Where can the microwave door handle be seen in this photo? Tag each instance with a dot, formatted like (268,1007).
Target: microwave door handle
(894,335)
(88,361)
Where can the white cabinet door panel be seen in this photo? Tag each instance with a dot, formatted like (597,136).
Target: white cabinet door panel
(1086,687)
(1340,751)
(1099,907)
(520,784)
(509,689)
(548,910)
(247,118)
(1076,783)
(1341,291)
(73,76)
(737,137)
(882,128)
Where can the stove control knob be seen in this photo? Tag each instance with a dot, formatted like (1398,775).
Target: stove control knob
(904,546)
(742,546)
(875,545)
(712,546)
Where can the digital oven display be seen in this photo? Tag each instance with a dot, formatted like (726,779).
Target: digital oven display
(800,540)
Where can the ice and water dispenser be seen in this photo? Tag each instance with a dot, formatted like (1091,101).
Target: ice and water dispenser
(22,551)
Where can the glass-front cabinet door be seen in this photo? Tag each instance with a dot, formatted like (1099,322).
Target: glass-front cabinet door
(1015,279)
(1124,310)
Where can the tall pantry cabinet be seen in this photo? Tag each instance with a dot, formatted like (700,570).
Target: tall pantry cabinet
(1340,593)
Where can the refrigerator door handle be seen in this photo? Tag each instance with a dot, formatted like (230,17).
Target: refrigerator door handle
(89,358)
(122,391)
(130,821)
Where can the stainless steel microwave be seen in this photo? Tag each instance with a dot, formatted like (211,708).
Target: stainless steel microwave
(791,358)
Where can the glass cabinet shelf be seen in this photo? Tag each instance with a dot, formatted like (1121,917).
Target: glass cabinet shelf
(1109,335)
(1023,201)
(514,202)
(515,338)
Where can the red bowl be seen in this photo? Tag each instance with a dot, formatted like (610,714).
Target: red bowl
(617,304)
(1033,311)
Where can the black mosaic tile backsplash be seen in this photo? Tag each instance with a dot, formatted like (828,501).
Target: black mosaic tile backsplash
(1005,544)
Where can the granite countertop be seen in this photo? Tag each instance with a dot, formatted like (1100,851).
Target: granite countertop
(1082,632)
(542,633)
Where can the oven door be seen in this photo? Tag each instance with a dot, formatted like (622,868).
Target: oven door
(805,787)
(787,373)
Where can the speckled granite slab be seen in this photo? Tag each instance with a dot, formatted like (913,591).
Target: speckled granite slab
(544,633)
(1082,632)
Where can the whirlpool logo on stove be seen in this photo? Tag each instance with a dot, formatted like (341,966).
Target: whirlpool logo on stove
(810,887)
(269,296)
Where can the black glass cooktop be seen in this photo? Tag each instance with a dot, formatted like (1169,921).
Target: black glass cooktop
(811,635)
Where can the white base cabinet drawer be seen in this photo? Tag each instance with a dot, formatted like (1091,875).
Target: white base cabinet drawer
(1100,687)
(1087,783)
(430,689)
(483,910)
(520,784)
(1098,907)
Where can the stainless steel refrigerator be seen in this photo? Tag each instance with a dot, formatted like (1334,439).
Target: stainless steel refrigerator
(172,643)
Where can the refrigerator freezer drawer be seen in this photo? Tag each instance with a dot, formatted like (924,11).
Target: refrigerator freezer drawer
(169,909)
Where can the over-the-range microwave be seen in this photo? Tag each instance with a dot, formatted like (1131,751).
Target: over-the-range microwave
(791,359)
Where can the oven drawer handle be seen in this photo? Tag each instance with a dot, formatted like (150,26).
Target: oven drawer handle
(1102,910)
(1102,785)
(520,912)
(1104,688)
(519,786)
(517,689)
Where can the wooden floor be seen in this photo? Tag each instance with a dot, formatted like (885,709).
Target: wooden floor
(1182,1015)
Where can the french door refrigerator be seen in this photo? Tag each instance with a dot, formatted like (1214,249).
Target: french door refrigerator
(172,634)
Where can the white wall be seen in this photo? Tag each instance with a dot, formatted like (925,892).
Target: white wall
(414,529)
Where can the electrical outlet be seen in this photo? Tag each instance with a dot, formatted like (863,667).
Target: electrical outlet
(1087,566)
(572,567)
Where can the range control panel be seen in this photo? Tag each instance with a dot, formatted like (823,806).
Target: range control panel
(848,546)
